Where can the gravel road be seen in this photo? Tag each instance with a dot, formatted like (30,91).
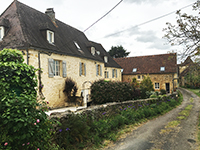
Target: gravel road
(157,134)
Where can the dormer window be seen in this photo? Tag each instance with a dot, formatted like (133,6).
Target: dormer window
(50,36)
(162,68)
(106,59)
(98,52)
(134,69)
(77,46)
(2,33)
(93,51)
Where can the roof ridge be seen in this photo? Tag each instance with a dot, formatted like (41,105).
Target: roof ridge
(146,56)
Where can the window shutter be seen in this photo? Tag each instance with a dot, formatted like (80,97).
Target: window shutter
(80,68)
(113,71)
(116,73)
(97,70)
(64,67)
(85,69)
(50,67)
(100,70)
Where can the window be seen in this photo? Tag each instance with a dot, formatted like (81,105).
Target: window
(114,73)
(93,51)
(56,66)
(77,46)
(134,69)
(82,70)
(106,59)
(157,86)
(138,77)
(162,68)
(1,33)
(50,36)
(106,73)
(98,70)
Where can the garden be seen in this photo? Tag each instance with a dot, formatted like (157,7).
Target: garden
(24,124)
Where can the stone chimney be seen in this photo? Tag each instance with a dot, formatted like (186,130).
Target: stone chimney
(50,12)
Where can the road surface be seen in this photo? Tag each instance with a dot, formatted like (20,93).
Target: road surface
(166,132)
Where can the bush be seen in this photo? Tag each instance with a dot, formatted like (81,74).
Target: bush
(146,86)
(104,92)
(162,92)
(70,89)
(23,122)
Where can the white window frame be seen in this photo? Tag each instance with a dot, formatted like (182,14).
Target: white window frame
(134,69)
(162,68)
(2,33)
(106,59)
(78,47)
(56,68)
(157,86)
(50,36)
(93,51)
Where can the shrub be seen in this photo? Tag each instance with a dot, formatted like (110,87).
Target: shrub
(104,92)
(146,85)
(23,123)
(70,89)
(162,92)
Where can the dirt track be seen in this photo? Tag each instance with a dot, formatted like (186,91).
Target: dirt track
(156,135)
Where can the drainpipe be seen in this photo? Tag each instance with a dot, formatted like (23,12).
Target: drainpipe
(39,74)
(27,56)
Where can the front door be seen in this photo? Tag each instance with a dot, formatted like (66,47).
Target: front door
(167,85)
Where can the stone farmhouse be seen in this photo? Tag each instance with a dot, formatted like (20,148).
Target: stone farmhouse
(162,69)
(60,50)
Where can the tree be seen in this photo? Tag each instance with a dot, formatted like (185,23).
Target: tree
(118,52)
(186,32)
(146,87)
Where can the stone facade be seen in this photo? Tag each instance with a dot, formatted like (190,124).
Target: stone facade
(165,80)
(53,87)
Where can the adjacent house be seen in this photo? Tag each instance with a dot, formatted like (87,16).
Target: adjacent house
(162,69)
(60,50)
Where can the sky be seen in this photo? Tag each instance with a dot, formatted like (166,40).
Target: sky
(129,24)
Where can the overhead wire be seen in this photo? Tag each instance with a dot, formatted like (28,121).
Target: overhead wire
(146,22)
(74,38)
(103,16)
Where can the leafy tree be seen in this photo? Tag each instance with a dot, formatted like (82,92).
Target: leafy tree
(146,87)
(193,77)
(118,52)
(186,32)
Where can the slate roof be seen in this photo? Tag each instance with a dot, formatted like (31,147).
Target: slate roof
(26,26)
(148,64)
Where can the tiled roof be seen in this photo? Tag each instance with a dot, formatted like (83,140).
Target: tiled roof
(149,64)
(26,26)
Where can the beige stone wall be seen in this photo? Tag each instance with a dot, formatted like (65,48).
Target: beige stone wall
(162,79)
(53,87)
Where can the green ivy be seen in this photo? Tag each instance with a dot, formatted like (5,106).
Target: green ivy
(23,122)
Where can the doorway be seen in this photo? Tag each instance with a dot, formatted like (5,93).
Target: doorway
(167,85)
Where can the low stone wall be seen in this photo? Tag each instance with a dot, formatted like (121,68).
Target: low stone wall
(112,107)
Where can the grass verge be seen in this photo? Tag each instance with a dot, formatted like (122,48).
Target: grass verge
(197,92)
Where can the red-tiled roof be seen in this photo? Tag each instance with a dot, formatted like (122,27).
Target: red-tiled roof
(149,64)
